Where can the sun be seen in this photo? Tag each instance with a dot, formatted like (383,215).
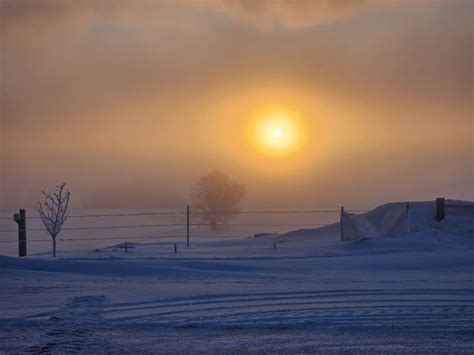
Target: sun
(277,133)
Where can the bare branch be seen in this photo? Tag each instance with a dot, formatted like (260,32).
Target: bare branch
(54,211)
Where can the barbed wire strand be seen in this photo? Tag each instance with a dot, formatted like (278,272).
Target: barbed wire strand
(166,225)
(193,212)
(118,239)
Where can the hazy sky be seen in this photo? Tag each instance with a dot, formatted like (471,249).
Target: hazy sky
(128,102)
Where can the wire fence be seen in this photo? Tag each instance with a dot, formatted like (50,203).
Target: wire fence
(183,224)
(167,225)
(195,213)
(179,226)
(173,226)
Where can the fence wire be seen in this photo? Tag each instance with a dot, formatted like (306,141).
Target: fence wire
(166,225)
(78,239)
(194,213)
(173,234)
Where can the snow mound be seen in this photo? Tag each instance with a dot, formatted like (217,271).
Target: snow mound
(391,220)
(399,219)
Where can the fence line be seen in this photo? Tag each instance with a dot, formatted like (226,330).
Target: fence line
(99,227)
(111,215)
(165,225)
(263,212)
(441,208)
(196,212)
(184,223)
(48,240)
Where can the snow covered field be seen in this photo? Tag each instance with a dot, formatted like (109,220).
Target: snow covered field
(313,293)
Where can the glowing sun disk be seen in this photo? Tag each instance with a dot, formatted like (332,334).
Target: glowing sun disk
(277,133)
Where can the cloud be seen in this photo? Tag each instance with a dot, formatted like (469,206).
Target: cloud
(265,14)
(302,13)
(25,17)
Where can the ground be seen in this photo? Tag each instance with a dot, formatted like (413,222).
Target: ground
(312,294)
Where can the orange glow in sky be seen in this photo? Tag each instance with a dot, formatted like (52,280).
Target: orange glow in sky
(133,100)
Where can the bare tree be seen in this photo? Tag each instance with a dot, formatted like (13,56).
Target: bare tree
(216,197)
(54,211)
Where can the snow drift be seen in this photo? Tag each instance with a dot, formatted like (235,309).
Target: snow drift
(402,218)
(390,220)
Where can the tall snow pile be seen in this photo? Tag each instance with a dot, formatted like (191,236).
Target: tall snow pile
(401,218)
(390,220)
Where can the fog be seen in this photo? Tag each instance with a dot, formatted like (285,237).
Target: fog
(129,102)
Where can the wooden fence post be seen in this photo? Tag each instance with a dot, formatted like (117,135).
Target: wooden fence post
(440,208)
(187,226)
(340,223)
(20,219)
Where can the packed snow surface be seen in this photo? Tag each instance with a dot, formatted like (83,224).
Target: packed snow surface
(312,293)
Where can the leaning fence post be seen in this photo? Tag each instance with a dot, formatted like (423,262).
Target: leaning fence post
(20,219)
(187,226)
(440,208)
(340,223)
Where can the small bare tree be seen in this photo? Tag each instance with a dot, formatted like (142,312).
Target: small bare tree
(216,197)
(54,211)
